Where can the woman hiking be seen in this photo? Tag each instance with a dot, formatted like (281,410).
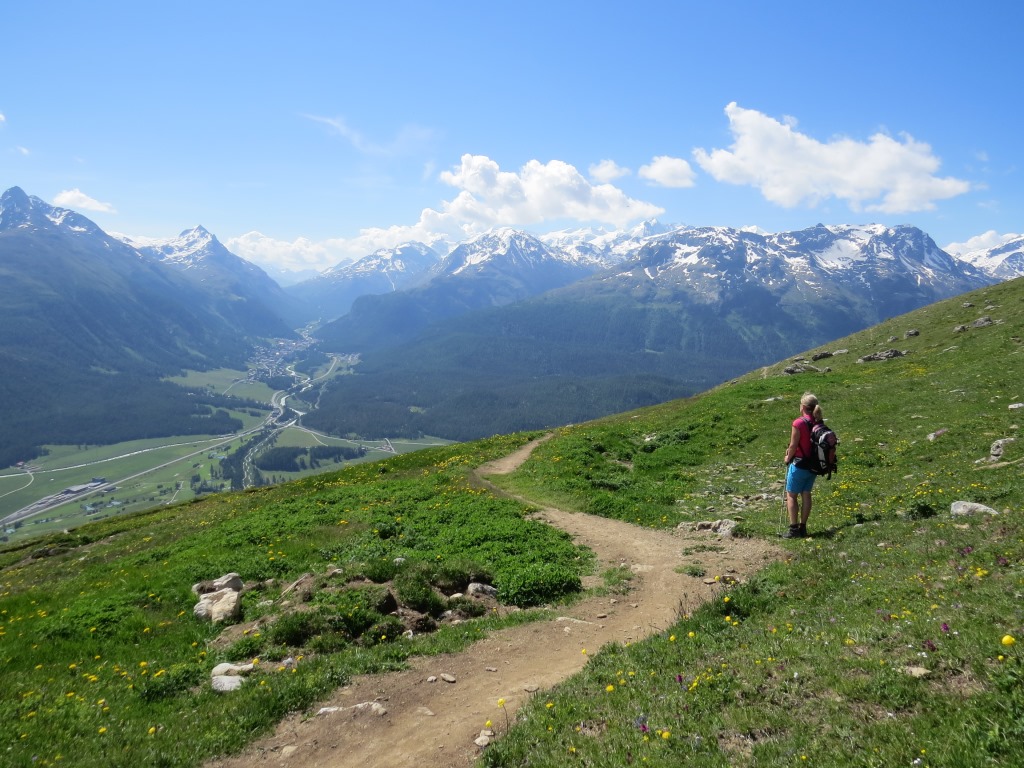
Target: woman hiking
(800,481)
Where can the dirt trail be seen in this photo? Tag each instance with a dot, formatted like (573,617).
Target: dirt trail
(435,724)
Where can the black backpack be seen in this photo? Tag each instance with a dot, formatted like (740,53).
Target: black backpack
(822,460)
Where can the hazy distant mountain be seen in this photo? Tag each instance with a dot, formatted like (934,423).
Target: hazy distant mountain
(689,309)
(1004,262)
(493,269)
(88,326)
(330,294)
(240,290)
(606,247)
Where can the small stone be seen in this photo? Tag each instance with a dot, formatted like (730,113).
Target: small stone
(424,711)
(327,710)
(288,751)
(602,615)
(227,683)
(482,741)
(963,508)
(917,671)
(432,679)
(531,688)
(490,669)
(447,678)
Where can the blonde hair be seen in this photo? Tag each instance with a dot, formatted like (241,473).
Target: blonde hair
(817,414)
(808,402)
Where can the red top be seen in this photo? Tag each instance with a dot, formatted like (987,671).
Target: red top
(803,427)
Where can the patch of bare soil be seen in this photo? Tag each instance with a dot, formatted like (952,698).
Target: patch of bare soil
(421,723)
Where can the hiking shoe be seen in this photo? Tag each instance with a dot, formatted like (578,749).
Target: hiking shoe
(792,533)
(802,531)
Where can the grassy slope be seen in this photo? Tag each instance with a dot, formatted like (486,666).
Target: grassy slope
(804,662)
(806,665)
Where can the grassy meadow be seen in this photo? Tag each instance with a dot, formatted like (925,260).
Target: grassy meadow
(891,636)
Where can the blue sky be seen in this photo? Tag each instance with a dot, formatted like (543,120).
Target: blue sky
(309,133)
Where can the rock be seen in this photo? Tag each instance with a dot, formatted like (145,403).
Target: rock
(432,679)
(964,508)
(374,707)
(888,354)
(227,683)
(302,586)
(328,710)
(821,356)
(841,352)
(227,668)
(982,322)
(796,368)
(1015,406)
(937,433)
(723,528)
(424,711)
(998,447)
(531,688)
(219,606)
(482,741)
(485,590)
(288,751)
(891,339)
(967,305)
(959,328)
(227,581)
(911,332)
(447,678)
(917,671)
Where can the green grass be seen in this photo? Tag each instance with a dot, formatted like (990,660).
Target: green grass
(806,664)
(98,644)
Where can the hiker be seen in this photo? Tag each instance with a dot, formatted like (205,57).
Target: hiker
(799,480)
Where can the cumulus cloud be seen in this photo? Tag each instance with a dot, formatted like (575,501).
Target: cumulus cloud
(790,168)
(984,241)
(538,192)
(295,255)
(487,197)
(76,198)
(607,170)
(665,171)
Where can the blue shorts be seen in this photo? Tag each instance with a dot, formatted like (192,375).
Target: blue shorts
(799,480)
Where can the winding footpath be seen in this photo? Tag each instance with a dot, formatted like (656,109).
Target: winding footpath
(435,724)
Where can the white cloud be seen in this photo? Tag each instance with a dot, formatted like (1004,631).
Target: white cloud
(790,168)
(607,170)
(3,119)
(488,197)
(665,171)
(23,150)
(76,198)
(538,192)
(296,255)
(984,241)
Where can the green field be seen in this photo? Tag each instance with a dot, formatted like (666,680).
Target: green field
(891,636)
(225,381)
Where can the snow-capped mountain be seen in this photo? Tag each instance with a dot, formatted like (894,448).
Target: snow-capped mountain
(1004,262)
(242,290)
(506,249)
(21,211)
(331,293)
(874,262)
(605,247)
